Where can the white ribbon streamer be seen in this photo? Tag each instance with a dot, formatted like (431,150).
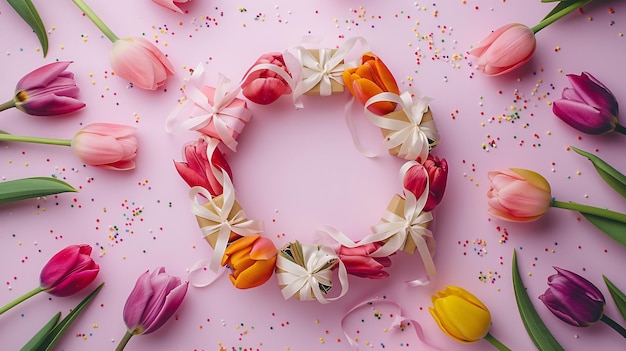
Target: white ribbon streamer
(226,222)
(306,280)
(412,136)
(227,120)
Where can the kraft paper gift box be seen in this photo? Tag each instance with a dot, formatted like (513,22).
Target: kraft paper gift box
(203,222)
(335,86)
(401,116)
(396,206)
(293,252)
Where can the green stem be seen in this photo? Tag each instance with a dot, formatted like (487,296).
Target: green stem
(496,343)
(549,20)
(611,323)
(124,341)
(29,139)
(20,299)
(596,211)
(620,129)
(96,20)
(7,105)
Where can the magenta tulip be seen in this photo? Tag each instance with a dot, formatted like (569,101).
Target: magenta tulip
(69,271)
(140,62)
(196,170)
(265,86)
(358,261)
(106,145)
(506,49)
(437,173)
(152,302)
(171,4)
(518,195)
(49,90)
(588,106)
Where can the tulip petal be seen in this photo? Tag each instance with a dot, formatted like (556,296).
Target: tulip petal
(173,300)
(583,117)
(137,302)
(263,249)
(76,282)
(255,275)
(116,130)
(593,92)
(42,76)
(97,150)
(487,41)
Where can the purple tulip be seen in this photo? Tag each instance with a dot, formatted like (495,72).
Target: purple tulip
(573,299)
(49,90)
(69,271)
(588,106)
(153,301)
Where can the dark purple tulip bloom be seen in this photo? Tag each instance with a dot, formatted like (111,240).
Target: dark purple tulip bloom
(588,105)
(573,299)
(69,271)
(153,301)
(49,90)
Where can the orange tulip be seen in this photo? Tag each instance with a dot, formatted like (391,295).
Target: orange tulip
(372,77)
(251,260)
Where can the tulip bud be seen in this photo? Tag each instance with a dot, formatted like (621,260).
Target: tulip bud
(140,62)
(106,145)
(506,49)
(358,261)
(437,172)
(265,86)
(196,170)
(153,300)
(573,299)
(371,78)
(518,195)
(69,271)
(461,315)
(588,105)
(49,90)
(251,260)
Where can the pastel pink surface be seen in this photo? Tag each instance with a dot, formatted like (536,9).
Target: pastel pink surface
(298,170)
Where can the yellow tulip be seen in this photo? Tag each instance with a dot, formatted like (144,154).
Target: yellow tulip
(460,315)
(372,77)
(251,260)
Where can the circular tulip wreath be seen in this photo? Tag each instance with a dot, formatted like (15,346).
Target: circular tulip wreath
(305,271)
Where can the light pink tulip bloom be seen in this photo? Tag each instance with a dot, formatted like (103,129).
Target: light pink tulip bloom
(518,195)
(140,62)
(170,4)
(504,50)
(106,145)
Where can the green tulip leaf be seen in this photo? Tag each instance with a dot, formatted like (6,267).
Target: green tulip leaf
(28,12)
(615,229)
(563,8)
(25,188)
(536,329)
(35,342)
(611,176)
(58,331)
(617,295)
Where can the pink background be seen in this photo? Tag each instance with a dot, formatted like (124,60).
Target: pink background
(297,170)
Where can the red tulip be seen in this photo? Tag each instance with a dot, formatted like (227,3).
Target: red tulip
(69,271)
(196,170)
(437,172)
(265,86)
(358,261)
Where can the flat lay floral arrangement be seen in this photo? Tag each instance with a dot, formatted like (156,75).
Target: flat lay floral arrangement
(409,245)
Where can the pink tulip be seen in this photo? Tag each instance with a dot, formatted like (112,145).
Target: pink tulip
(140,62)
(504,50)
(437,173)
(518,195)
(170,4)
(106,145)
(358,261)
(264,86)
(49,90)
(154,299)
(69,271)
(196,170)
